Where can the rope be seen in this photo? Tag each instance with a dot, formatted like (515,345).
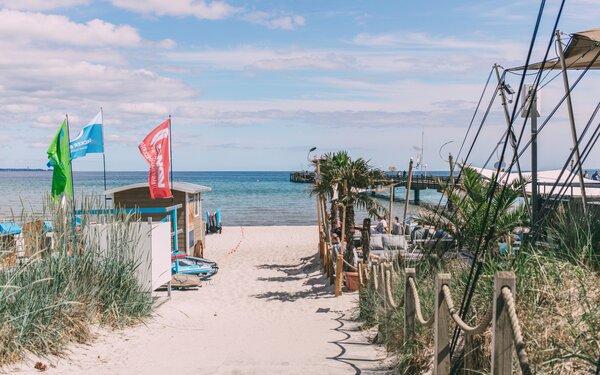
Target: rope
(418,313)
(456,317)
(350,265)
(388,289)
(516,329)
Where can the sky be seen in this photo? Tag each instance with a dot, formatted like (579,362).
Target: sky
(253,85)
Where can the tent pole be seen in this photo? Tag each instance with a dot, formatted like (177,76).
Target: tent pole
(513,140)
(563,66)
(533,115)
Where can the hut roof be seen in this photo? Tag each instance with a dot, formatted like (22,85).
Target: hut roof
(546,179)
(186,187)
(9,227)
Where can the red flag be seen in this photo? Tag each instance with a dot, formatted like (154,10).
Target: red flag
(155,149)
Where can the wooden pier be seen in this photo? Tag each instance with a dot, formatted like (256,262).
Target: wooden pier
(419,182)
(303,177)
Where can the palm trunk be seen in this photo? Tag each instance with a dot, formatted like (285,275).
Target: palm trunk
(334,215)
(349,235)
(366,239)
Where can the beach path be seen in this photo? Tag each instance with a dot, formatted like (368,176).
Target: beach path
(268,310)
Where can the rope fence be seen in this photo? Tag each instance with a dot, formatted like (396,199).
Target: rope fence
(501,317)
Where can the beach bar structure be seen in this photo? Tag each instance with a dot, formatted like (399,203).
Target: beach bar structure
(11,243)
(190,236)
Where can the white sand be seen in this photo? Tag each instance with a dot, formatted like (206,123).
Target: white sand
(257,316)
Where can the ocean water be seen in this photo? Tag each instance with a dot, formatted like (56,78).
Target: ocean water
(245,198)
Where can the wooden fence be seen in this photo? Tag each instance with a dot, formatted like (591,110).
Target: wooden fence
(506,329)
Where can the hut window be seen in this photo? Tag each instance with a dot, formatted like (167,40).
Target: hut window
(197,204)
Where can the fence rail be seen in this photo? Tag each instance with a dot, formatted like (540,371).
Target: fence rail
(501,315)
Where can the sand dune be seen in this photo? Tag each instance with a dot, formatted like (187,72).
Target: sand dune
(269,310)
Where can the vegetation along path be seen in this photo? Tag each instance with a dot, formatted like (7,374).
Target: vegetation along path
(269,310)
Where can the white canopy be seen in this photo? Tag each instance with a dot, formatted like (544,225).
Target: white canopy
(583,50)
(547,179)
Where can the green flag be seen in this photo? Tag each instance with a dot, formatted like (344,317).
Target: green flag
(59,155)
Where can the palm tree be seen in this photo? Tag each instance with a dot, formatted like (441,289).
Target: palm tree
(345,182)
(470,200)
(329,183)
(354,178)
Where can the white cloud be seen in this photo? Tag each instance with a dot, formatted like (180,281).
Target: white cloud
(143,108)
(427,41)
(43,28)
(20,108)
(41,4)
(200,9)
(433,61)
(271,21)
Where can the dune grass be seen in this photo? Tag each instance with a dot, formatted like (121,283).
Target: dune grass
(54,298)
(558,304)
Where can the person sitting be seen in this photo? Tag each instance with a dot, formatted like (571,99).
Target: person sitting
(596,176)
(381,225)
(586,174)
(396,226)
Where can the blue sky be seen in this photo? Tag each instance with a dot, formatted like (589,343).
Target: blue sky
(252,85)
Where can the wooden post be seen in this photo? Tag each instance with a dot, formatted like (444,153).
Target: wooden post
(408,183)
(360,274)
(409,305)
(502,336)
(441,350)
(338,275)
(389,228)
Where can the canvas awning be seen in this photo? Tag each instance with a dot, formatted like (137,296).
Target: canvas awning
(582,50)
(9,227)
(547,179)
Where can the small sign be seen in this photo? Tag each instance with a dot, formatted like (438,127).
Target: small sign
(526,102)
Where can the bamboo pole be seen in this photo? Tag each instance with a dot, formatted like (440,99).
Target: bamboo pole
(408,183)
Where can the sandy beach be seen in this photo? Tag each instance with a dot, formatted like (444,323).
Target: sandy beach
(269,310)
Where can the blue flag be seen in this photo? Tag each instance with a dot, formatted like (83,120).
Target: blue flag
(89,140)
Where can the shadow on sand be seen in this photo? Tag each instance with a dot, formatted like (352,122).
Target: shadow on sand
(308,269)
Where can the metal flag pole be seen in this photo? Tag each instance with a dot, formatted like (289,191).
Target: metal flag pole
(171,157)
(74,219)
(70,160)
(103,153)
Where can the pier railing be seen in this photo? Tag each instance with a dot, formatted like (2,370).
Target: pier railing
(501,315)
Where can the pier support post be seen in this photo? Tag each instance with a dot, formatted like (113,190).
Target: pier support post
(417,196)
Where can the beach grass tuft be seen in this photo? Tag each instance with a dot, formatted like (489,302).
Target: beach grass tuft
(55,297)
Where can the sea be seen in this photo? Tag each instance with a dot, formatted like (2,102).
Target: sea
(245,198)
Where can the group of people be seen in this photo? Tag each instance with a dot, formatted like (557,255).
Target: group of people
(382,225)
(595,176)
